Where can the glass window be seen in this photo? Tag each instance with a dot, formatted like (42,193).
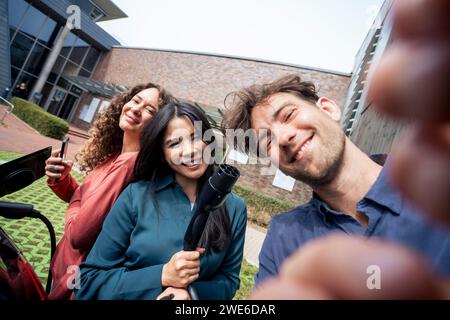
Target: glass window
(67,106)
(16,10)
(32,22)
(52,77)
(53,36)
(96,14)
(37,59)
(57,67)
(45,93)
(14,74)
(70,69)
(63,83)
(56,100)
(68,44)
(84,73)
(29,80)
(75,90)
(61,27)
(91,59)
(11,33)
(47,31)
(79,51)
(19,49)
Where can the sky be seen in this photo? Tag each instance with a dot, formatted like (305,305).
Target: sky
(322,34)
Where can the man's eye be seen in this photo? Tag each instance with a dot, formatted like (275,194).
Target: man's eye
(289,114)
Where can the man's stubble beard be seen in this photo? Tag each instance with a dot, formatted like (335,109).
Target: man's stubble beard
(332,167)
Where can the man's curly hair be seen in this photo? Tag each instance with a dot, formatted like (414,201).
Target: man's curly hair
(239,104)
(106,136)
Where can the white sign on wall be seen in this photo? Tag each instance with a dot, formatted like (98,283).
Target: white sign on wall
(238,156)
(283,181)
(88,111)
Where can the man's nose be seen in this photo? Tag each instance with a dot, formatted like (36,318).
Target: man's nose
(286,138)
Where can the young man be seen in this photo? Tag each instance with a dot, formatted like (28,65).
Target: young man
(352,193)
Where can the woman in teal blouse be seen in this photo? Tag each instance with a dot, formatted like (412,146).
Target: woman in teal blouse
(138,254)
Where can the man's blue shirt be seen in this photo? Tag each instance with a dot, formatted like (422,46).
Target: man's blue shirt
(390,216)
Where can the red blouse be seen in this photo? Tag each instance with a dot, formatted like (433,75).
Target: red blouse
(89,204)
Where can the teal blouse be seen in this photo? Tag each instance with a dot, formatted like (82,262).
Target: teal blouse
(136,241)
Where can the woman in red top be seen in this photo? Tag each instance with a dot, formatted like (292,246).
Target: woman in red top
(108,157)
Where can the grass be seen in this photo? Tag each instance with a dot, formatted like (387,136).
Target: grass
(246,275)
(31,236)
(8,156)
(260,207)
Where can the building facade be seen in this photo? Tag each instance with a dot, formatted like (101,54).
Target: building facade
(91,67)
(30,31)
(207,79)
(370,130)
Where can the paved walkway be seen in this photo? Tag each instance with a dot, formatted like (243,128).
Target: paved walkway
(17,136)
(253,243)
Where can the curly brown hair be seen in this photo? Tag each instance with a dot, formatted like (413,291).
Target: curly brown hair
(106,136)
(237,114)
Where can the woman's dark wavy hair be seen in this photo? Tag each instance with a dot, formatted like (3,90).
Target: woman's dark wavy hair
(151,166)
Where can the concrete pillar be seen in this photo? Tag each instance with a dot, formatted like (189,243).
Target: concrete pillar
(49,63)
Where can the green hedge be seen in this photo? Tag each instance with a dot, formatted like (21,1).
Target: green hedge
(44,122)
(261,208)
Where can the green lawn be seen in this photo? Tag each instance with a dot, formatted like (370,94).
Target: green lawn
(7,156)
(247,274)
(32,236)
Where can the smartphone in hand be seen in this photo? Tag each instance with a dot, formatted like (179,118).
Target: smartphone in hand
(64,146)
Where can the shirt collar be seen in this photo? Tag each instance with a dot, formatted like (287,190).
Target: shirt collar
(164,181)
(321,205)
(382,192)
(323,208)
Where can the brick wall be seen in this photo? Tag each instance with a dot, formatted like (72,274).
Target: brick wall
(207,80)
(252,179)
(202,78)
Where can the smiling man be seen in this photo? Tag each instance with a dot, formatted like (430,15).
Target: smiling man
(352,193)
